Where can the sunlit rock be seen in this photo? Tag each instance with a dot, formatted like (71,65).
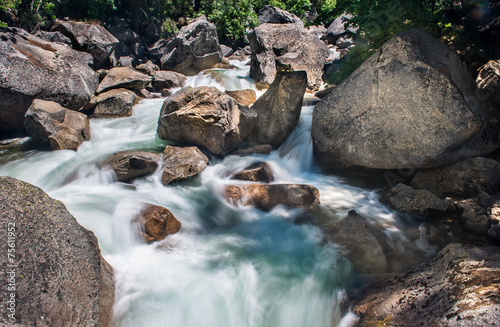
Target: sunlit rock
(157,223)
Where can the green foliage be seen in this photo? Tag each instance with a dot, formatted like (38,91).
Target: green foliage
(297,7)
(81,9)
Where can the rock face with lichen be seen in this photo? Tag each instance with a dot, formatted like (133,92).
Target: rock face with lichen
(61,278)
(457,288)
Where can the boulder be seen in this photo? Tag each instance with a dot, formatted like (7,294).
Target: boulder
(467,178)
(49,123)
(488,81)
(267,196)
(273,15)
(113,103)
(148,68)
(59,275)
(91,38)
(244,97)
(127,61)
(130,39)
(317,31)
(420,203)
(166,80)
(226,51)
(337,29)
(124,77)
(363,249)
(410,105)
(129,165)
(254,149)
(121,50)
(256,172)
(286,45)
(204,116)
(157,50)
(157,223)
(53,37)
(180,163)
(457,288)
(278,110)
(33,68)
(195,48)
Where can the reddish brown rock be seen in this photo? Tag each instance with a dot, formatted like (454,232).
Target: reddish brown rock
(244,97)
(157,223)
(256,172)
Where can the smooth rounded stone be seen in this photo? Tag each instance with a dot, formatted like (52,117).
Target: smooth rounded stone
(254,149)
(244,97)
(166,80)
(268,196)
(457,288)
(53,37)
(363,249)
(410,105)
(91,38)
(422,203)
(204,116)
(113,103)
(124,77)
(274,15)
(278,109)
(49,123)
(467,178)
(148,68)
(33,68)
(488,81)
(129,165)
(256,172)
(286,45)
(61,279)
(157,223)
(337,29)
(180,163)
(195,48)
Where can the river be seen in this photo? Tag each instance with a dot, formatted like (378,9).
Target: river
(227,266)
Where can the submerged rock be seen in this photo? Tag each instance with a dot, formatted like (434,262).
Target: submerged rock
(124,77)
(286,45)
(33,68)
(60,276)
(457,288)
(268,196)
(180,163)
(206,117)
(410,105)
(157,223)
(256,172)
(129,165)
(49,123)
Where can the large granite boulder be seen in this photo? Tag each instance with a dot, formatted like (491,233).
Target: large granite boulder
(267,196)
(157,223)
(124,77)
(337,29)
(288,47)
(33,68)
(204,116)
(55,265)
(181,163)
(410,105)
(273,15)
(49,123)
(457,288)
(53,37)
(195,48)
(129,165)
(166,80)
(91,38)
(113,103)
(278,110)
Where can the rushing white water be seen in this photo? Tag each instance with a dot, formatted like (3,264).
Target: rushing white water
(227,266)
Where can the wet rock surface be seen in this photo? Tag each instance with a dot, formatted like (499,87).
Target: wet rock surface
(180,163)
(157,223)
(129,165)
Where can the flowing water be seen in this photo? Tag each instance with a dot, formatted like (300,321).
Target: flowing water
(227,266)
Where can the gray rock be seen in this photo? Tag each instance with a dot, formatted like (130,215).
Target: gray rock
(121,50)
(420,203)
(49,123)
(53,37)
(363,248)
(124,77)
(206,117)
(457,288)
(410,105)
(127,61)
(166,80)
(278,110)
(467,178)
(290,46)
(129,165)
(273,15)
(180,163)
(148,68)
(226,51)
(337,29)
(254,149)
(317,31)
(157,50)
(267,196)
(91,38)
(124,34)
(113,103)
(60,276)
(194,49)
(256,172)
(488,81)
(33,68)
